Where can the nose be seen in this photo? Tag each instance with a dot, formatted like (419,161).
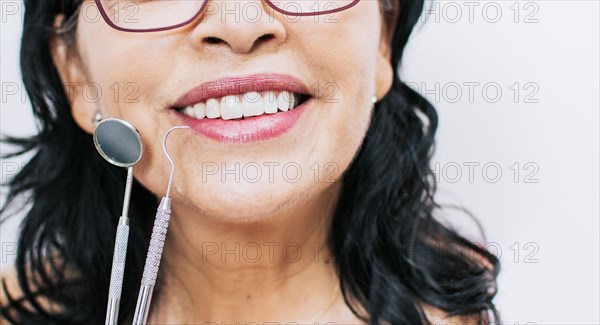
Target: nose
(241,26)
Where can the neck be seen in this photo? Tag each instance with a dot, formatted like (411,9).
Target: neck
(273,270)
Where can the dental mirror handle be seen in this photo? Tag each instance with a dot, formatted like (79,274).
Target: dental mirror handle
(119,257)
(118,269)
(157,242)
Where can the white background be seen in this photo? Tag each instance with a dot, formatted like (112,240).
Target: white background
(543,221)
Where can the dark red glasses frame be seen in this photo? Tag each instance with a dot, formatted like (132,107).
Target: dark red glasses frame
(113,25)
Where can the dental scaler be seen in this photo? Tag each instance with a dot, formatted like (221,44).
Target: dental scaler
(157,241)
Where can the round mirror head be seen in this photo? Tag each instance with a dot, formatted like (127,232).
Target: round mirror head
(118,142)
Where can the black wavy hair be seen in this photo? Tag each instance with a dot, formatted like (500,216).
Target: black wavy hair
(389,248)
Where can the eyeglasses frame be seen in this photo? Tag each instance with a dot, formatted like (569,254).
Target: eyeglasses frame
(160,29)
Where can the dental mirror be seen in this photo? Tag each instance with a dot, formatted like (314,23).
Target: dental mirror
(120,144)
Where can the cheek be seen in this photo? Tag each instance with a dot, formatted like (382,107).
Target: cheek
(124,82)
(344,56)
(125,68)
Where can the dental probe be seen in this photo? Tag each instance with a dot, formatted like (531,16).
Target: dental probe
(157,241)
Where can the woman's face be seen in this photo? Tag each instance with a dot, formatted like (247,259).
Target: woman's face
(227,168)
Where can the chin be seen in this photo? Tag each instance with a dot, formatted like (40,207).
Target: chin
(247,202)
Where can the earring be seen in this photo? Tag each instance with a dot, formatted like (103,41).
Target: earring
(97,118)
(374,100)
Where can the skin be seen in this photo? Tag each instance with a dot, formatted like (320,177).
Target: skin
(210,257)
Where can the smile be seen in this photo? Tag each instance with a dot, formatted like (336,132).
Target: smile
(244,109)
(245,105)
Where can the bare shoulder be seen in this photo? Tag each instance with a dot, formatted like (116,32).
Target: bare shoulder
(11,289)
(10,285)
(437,316)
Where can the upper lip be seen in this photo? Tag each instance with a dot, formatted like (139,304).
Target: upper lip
(240,85)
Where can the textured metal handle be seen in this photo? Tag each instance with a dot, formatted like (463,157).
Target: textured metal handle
(118,270)
(119,257)
(157,242)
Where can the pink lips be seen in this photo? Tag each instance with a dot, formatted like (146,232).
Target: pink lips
(249,129)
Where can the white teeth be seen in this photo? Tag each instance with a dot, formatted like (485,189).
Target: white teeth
(189,111)
(213,108)
(200,110)
(283,101)
(292,101)
(231,107)
(270,102)
(252,104)
(246,105)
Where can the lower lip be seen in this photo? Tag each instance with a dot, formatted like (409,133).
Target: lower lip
(250,129)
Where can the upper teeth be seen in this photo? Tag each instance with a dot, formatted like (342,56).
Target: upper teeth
(248,104)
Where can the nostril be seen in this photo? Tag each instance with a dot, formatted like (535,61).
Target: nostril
(262,38)
(213,40)
(257,41)
(265,37)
